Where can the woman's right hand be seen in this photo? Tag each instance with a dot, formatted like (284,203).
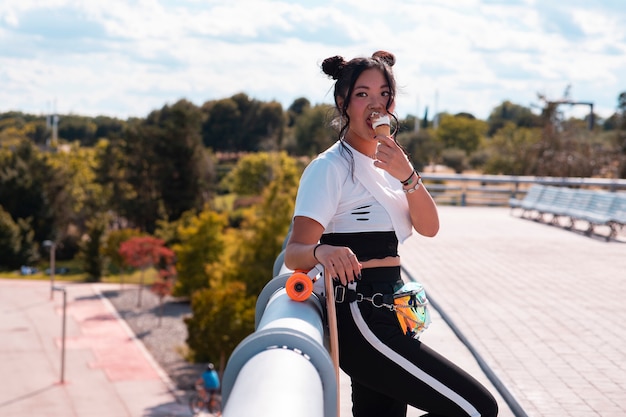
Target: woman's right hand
(340,263)
(303,252)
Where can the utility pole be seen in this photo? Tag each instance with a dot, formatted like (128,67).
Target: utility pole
(52,122)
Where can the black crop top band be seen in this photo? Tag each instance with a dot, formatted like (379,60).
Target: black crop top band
(365,245)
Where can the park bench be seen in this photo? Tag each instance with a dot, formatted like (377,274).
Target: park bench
(618,213)
(563,199)
(527,203)
(548,203)
(596,208)
(579,203)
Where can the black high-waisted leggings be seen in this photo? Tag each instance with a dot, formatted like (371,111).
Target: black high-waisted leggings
(390,370)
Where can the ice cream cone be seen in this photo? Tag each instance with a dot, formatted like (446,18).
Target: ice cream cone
(381,124)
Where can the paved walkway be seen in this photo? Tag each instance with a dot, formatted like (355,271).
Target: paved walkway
(541,305)
(107,372)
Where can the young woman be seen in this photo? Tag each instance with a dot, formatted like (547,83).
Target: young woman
(356,201)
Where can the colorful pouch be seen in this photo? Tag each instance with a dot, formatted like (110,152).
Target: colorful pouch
(411,306)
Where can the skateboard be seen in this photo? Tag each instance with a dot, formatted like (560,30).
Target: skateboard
(299,287)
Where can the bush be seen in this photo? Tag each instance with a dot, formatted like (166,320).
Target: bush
(17,245)
(454,158)
(222,317)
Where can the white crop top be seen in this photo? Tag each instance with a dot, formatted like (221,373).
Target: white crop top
(330,194)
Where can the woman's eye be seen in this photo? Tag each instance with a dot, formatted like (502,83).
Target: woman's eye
(386,93)
(361,94)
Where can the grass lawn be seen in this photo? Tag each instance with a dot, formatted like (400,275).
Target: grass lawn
(75,274)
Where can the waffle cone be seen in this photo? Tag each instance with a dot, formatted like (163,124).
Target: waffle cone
(381,123)
(384,130)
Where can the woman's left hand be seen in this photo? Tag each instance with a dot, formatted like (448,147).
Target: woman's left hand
(390,157)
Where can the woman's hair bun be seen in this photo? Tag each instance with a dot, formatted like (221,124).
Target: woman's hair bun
(333,66)
(386,57)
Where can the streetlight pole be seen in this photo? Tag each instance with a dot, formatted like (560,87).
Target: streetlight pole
(50,244)
(62,289)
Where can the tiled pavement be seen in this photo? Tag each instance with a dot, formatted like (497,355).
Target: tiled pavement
(543,306)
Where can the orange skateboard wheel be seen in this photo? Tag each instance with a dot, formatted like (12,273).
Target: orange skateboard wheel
(299,286)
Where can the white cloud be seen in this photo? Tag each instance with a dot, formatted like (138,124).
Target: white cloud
(125,58)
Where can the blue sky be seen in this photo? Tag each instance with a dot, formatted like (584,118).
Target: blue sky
(125,58)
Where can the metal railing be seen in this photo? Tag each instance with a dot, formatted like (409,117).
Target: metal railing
(283,368)
(495,190)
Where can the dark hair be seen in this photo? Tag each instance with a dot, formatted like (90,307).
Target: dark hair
(346,73)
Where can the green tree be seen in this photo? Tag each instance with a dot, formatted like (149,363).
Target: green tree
(85,195)
(621,103)
(421,146)
(621,135)
(220,129)
(262,234)
(256,171)
(239,124)
(78,128)
(16,242)
(111,246)
(313,132)
(508,112)
(613,122)
(15,129)
(460,132)
(111,174)
(141,172)
(34,190)
(200,249)
(454,158)
(166,166)
(222,317)
(10,241)
(91,252)
(108,128)
(270,127)
(512,151)
(223,314)
(296,109)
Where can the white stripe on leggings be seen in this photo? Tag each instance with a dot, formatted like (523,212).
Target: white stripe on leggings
(408,365)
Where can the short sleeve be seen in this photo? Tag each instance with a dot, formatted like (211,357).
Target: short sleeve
(320,190)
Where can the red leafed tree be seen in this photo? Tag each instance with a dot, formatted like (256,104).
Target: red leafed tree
(144,252)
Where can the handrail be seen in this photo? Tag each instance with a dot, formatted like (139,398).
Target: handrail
(492,190)
(617,183)
(284,363)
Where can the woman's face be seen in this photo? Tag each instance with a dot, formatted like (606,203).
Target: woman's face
(370,94)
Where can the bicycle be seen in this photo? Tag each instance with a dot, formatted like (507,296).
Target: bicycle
(198,402)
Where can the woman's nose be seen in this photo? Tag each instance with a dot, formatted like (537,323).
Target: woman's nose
(375,104)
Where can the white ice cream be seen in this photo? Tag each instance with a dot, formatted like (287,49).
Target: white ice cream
(380,120)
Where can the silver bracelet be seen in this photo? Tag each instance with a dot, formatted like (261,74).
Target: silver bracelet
(414,188)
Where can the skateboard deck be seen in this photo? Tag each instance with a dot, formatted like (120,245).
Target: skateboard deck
(331,312)
(299,287)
